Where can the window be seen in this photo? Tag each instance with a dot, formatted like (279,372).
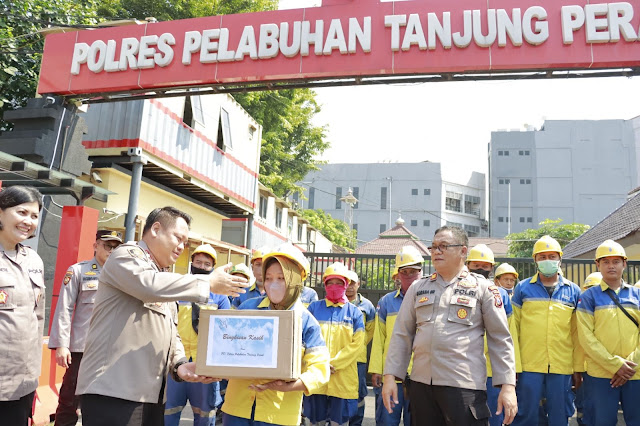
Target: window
(453,201)
(472,205)
(262,212)
(312,197)
(278,217)
(338,196)
(414,222)
(528,181)
(427,191)
(529,219)
(525,181)
(521,219)
(355,228)
(521,181)
(506,219)
(224,131)
(290,225)
(299,232)
(526,153)
(472,230)
(506,153)
(426,222)
(520,152)
(501,219)
(192,112)
(383,198)
(356,193)
(504,181)
(414,191)
(501,153)
(501,181)
(383,227)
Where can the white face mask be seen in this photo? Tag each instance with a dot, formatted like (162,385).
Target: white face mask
(276,290)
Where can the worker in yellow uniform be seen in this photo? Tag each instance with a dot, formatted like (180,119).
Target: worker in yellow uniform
(480,260)
(201,396)
(369,316)
(409,263)
(608,318)
(259,402)
(544,307)
(343,331)
(583,408)
(506,277)
(257,287)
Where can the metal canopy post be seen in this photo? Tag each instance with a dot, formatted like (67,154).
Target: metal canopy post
(134,191)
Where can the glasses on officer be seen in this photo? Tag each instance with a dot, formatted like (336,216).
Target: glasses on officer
(443,247)
(109,247)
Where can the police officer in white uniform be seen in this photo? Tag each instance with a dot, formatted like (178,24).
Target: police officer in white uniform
(71,321)
(442,320)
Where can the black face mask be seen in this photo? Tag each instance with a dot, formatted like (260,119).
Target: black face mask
(199,271)
(482,272)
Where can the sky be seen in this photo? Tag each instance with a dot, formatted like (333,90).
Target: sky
(451,122)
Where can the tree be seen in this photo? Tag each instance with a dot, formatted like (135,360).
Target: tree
(521,243)
(290,142)
(21,43)
(334,230)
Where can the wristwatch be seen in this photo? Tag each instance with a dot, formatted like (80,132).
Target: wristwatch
(174,371)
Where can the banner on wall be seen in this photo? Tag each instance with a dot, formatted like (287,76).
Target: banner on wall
(355,38)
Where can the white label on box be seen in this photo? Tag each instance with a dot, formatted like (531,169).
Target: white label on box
(249,341)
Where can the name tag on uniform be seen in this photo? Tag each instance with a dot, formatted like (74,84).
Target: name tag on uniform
(463,301)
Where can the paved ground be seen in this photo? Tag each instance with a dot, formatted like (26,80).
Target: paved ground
(187,415)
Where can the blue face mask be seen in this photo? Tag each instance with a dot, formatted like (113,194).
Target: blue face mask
(548,268)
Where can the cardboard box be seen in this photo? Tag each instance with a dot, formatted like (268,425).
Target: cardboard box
(260,344)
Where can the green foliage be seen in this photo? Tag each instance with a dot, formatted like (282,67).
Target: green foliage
(521,243)
(375,274)
(290,142)
(334,230)
(21,43)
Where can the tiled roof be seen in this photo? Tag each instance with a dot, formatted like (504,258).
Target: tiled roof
(619,224)
(498,246)
(391,241)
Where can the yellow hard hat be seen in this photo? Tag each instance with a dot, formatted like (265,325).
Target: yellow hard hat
(206,249)
(336,269)
(408,255)
(505,268)
(394,274)
(481,253)
(592,280)
(242,269)
(290,252)
(353,276)
(259,253)
(546,243)
(609,249)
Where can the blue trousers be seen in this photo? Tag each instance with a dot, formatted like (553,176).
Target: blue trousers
(492,402)
(383,418)
(356,420)
(202,398)
(320,409)
(531,388)
(604,399)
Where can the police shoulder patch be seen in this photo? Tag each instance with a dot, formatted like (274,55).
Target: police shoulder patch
(434,276)
(136,252)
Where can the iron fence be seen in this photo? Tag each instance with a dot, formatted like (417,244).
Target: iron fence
(375,270)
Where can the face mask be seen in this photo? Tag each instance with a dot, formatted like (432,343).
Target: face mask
(548,268)
(276,291)
(405,282)
(482,272)
(336,294)
(198,271)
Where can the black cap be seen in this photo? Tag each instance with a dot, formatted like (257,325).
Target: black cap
(106,235)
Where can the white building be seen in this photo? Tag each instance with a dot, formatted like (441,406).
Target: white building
(417,191)
(578,171)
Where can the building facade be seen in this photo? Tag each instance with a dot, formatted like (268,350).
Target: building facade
(577,171)
(417,191)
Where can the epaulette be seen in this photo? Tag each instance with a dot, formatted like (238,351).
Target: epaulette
(433,276)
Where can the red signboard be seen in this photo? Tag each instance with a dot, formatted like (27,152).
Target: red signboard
(345,39)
